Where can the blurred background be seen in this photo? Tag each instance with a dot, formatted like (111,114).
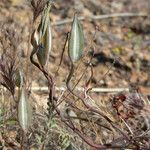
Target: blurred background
(121,42)
(124,39)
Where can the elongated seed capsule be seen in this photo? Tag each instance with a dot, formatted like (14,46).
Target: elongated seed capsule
(24,110)
(76,41)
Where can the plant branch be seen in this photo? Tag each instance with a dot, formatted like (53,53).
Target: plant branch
(100,17)
(90,108)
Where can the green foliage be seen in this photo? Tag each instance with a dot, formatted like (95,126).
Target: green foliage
(64,141)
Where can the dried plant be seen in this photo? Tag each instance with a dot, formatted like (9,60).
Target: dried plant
(97,117)
(38,7)
(7,71)
(103,125)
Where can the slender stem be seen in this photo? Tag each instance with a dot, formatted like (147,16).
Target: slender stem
(84,138)
(88,106)
(70,124)
(62,54)
(23,140)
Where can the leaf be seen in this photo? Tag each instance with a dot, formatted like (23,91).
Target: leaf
(45,44)
(11,121)
(24,110)
(76,41)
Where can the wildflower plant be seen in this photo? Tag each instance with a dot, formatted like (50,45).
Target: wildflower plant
(93,126)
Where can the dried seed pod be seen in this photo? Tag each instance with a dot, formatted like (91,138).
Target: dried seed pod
(35,39)
(76,41)
(45,43)
(24,110)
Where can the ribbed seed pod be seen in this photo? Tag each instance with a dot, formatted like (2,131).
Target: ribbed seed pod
(45,44)
(24,110)
(76,41)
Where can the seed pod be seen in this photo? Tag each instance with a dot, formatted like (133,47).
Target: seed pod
(76,41)
(34,39)
(24,110)
(45,44)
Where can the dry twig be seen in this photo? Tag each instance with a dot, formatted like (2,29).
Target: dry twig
(100,17)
